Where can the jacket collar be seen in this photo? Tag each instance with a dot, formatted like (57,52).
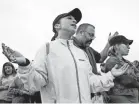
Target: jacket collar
(65,42)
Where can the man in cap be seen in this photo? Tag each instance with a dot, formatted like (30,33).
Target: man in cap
(60,70)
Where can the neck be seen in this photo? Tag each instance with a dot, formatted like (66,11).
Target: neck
(64,35)
(119,56)
(79,38)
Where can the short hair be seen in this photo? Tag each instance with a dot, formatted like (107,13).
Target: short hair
(84,26)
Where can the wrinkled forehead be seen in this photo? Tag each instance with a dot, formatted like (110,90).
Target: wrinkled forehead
(90,29)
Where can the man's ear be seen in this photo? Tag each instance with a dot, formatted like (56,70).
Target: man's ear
(82,33)
(116,47)
(57,26)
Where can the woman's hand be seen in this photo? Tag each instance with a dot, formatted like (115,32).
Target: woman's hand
(12,55)
(111,36)
(117,72)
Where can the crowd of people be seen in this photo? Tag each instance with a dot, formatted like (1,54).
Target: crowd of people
(65,71)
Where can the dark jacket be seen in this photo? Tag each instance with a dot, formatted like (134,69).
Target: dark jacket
(126,84)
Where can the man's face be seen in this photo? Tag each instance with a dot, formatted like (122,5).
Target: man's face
(89,35)
(68,23)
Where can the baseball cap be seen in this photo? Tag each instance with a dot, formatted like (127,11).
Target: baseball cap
(76,13)
(120,39)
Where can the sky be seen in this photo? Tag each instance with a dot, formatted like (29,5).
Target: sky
(25,25)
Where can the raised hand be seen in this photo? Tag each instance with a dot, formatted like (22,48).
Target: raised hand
(7,52)
(111,36)
(117,72)
(12,55)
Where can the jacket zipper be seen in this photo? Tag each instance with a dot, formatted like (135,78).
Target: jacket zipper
(77,75)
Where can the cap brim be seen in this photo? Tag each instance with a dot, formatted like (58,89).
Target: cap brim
(76,13)
(130,42)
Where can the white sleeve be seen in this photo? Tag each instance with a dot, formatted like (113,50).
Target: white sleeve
(100,83)
(34,76)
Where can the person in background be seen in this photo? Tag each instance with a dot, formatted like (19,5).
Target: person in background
(62,71)
(126,86)
(8,74)
(18,91)
(84,36)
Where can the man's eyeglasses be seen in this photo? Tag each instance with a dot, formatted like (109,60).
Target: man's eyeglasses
(91,35)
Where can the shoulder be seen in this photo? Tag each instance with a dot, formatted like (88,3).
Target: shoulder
(43,48)
(112,59)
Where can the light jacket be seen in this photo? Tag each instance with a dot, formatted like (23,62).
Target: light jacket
(64,75)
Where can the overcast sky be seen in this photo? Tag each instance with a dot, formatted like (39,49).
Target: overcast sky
(27,24)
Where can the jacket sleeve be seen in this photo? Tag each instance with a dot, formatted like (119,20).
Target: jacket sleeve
(34,76)
(100,83)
